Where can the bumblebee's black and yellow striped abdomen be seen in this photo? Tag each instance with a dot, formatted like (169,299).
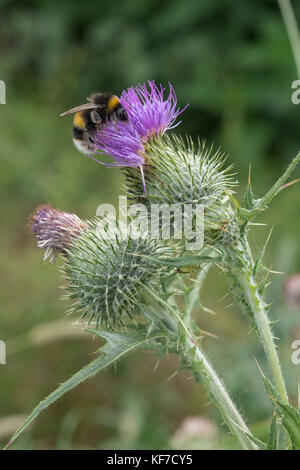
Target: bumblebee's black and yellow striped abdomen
(83,130)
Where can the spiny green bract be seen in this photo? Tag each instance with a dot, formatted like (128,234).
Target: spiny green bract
(178,172)
(106,275)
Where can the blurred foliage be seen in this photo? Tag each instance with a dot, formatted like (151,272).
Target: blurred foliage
(231,61)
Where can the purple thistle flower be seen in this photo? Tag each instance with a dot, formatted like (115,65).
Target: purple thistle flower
(149,115)
(55,230)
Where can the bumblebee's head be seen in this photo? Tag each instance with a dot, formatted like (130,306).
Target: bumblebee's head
(121,113)
(114,107)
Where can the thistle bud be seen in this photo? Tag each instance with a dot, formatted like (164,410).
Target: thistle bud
(106,274)
(55,230)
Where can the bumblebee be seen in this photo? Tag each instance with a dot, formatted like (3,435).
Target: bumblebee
(91,116)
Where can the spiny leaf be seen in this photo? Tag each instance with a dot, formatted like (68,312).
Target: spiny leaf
(247,214)
(270,389)
(182,260)
(249,199)
(117,345)
(290,420)
(167,281)
(258,262)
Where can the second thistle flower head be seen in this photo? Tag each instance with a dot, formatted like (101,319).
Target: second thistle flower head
(150,115)
(106,274)
(55,230)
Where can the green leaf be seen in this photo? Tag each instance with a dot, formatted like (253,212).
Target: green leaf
(258,262)
(117,345)
(247,214)
(270,389)
(290,420)
(183,260)
(273,434)
(267,198)
(289,416)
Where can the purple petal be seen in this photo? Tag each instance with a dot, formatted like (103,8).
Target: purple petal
(149,115)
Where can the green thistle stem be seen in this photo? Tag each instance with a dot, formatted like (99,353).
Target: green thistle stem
(241,273)
(218,393)
(292,30)
(262,322)
(195,359)
(276,188)
(248,293)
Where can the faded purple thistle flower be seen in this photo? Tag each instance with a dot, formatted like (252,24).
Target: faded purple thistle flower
(149,115)
(55,230)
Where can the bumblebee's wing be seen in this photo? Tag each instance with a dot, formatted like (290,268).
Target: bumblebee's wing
(83,107)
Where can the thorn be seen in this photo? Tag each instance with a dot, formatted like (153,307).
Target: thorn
(289,184)
(249,173)
(172,376)
(257,223)
(156,366)
(207,310)
(270,233)
(224,297)
(7,445)
(275,272)
(259,368)
(228,306)
(207,333)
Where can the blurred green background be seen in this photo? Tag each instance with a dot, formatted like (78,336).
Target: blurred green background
(231,61)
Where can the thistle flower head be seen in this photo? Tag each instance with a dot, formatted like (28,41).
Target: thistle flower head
(181,173)
(55,230)
(106,275)
(149,115)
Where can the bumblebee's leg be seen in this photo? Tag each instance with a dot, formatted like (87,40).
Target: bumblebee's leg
(96,118)
(88,141)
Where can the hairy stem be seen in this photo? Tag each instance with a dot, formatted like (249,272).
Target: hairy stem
(248,293)
(262,323)
(241,273)
(195,359)
(218,393)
